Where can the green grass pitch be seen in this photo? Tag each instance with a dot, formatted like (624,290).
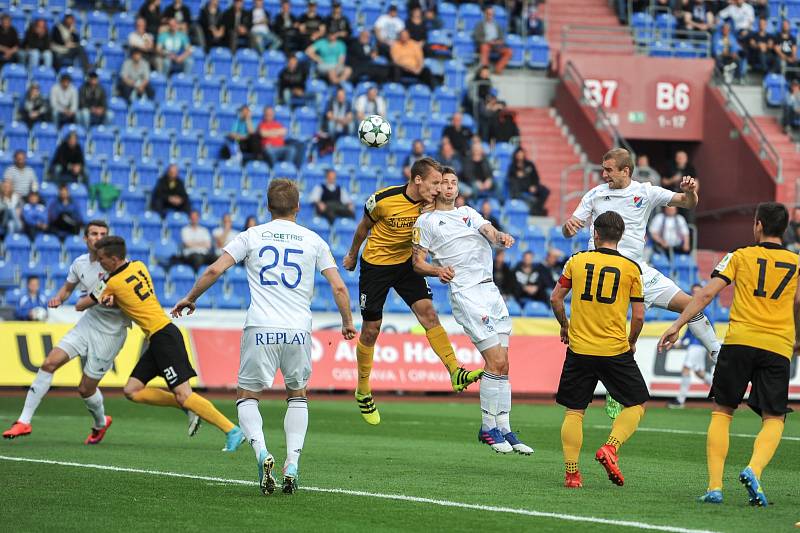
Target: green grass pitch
(421,449)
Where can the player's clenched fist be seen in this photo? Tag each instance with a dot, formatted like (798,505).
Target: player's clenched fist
(572,226)
(688,184)
(446,274)
(349,262)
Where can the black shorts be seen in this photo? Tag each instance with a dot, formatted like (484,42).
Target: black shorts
(166,357)
(619,374)
(739,365)
(375,281)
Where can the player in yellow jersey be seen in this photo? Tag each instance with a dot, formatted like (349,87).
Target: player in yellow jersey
(128,286)
(599,347)
(758,348)
(389,217)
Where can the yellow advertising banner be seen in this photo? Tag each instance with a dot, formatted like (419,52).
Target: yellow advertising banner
(26,344)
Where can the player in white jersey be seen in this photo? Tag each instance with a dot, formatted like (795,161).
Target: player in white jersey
(458,241)
(97,337)
(281,258)
(635,202)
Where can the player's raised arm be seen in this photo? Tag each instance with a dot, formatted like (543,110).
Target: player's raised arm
(688,197)
(342,298)
(362,230)
(206,280)
(496,237)
(62,295)
(699,302)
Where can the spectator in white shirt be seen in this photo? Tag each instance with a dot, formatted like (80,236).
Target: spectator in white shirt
(331,200)
(370,103)
(670,232)
(196,243)
(224,233)
(22,177)
(743,16)
(139,39)
(387,29)
(64,101)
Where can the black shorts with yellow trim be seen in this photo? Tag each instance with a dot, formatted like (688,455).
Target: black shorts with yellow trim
(769,372)
(619,374)
(375,281)
(165,356)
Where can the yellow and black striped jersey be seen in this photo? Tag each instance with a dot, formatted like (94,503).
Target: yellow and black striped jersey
(133,293)
(394,214)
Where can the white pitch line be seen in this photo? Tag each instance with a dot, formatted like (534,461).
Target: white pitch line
(396,497)
(689,432)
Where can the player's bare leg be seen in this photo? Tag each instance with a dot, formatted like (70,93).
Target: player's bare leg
(365,351)
(253,427)
(699,325)
(295,425)
(460,377)
(36,393)
(88,390)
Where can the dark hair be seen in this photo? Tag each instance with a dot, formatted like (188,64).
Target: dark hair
(609,226)
(113,246)
(96,223)
(449,170)
(774,218)
(283,197)
(423,166)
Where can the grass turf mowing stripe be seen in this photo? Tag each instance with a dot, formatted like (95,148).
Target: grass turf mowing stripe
(689,432)
(396,497)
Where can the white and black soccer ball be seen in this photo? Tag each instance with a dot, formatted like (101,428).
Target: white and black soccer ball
(374,131)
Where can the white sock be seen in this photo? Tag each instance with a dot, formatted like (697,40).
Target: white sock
(490,400)
(503,417)
(36,392)
(686,380)
(94,404)
(295,425)
(251,423)
(704,331)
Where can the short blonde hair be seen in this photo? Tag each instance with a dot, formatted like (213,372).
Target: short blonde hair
(621,157)
(283,197)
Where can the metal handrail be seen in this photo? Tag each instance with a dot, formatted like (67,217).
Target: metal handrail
(766,149)
(587,170)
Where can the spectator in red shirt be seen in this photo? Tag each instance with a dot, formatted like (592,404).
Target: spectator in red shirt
(273,138)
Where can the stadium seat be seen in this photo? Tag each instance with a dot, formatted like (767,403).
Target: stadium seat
(203,175)
(665,25)
(516,212)
(379,157)
(18,248)
(246,204)
(159,278)
(264,92)
(273,62)
(120,109)
(348,150)
(248,63)
(306,121)
(159,145)
(6,108)
(775,88)
(642,24)
(366,180)
(34,268)
(198,62)
(175,221)
(139,250)
(182,87)
(48,190)
(47,248)
(113,56)
(212,145)
(17,137)
(44,138)
(159,84)
(123,24)
(311,176)
(132,142)
(147,173)
(80,195)
(320,226)
(419,97)
(440,44)
(164,251)
(282,169)
(9,275)
(537,309)
(102,141)
(395,96)
(98,27)
(220,202)
(181,278)
(150,226)
(445,100)
(74,247)
(468,16)
(237,91)
(122,224)
(455,75)
(211,89)
(220,61)
(538,52)
(661,263)
(199,117)
(118,170)
(95,168)
(236,280)
(464,47)
(144,114)
(517,46)
(230,175)
(559,242)
(659,49)
(15,78)
(172,115)
(229,301)
(225,115)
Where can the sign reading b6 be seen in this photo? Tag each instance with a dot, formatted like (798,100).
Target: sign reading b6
(672,96)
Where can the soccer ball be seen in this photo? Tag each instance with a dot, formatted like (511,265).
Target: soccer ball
(374,131)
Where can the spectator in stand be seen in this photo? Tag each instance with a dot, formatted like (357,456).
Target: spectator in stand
(286,28)
(330,199)
(760,48)
(448,157)
(490,38)
(479,87)
(409,60)
(791,238)
(9,41)
(785,48)
(489,112)
(524,183)
(432,20)
(370,103)
(670,232)
(244,133)
(459,135)
(210,22)
(34,108)
(337,23)
(791,108)
(250,222)
(34,215)
(261,36)
(478,172)
(417,153)
(502,275)
(546,275)
(174,49)
(362,56)
(140,39)
(37,45)
(22,177)
(696,16)
(170,194)
(338,116)
(12,206)
(680,167)
(67,165)
(310,25)
(273,138)
(416,27)
(64,217)
(728,54)
(525,288)
(292,82)
(237,22)
(180,12)
(223,234)
(530,22)
(487,212)
(329,54)
(33,304)
(387,30)
(151,13)
(66,44)
(134,78)
(743,17)
(64,101)
(93,103)
(645,173)
(196,244)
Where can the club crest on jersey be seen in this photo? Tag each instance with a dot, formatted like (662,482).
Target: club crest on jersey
(467,221)
(487,323)
(638,201)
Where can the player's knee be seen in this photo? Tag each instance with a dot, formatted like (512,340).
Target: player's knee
(53,362)
(130,391)
(369,333)
(428,318)
(182,395)
(86,389)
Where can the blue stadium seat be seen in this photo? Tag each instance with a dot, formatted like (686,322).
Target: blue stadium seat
(44,138)
(516,212)
(118,170)
(150,226)
(19,19)
(400,149)
(95,168)
(229,301)
(182,278)
(175,221)
(378,157)
(212,145)
(537,309)
(220,61)
(395,96)
(159,145)
(282,169)
(230,175)
(203,175)
(225,115)
(320,226)
(464,47)
(172,115)
(123,24)
(80,195)
(6,108)
(15,78)
(273,62)
(661,263)
(159,84)
(120,109)
(366,180)
(264,92)
(503,152)
(306,122)
(236,280)
(248,63)
(517,46)
(34,268)
(132,142)
(686,49)
(113,56)
(199,117)
(665,25)
(642,24)
(448,14)
(164,251)
(246,204)
(45,77)
(311,175)
(198,62)
(159,278)
(102,141)
(419,97)
(559,242)
(18,248)
(220,203)
(237,91)
(75,247)
(411,126)
(182,87)
(659,49)
(9,275)
(187,144)
(538,52)
(349,151)
(211,89)
(283,114)
(257,174)
(455,75)
(48,249)
(441,44)
(17,136)
(144,114)
(48,190)
(445,100)
(121,224)
(147,173)
(468,16)
(98,27)
(775,88)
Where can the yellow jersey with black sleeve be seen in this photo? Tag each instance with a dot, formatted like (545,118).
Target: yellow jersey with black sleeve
(604,282)
(132,289)
(394,213)
(762,312)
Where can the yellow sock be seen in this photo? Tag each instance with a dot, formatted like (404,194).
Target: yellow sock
(572,439)
(717,448)
(624,425)
(154,396)
(765,445)
(208,412)
(437,337)
(364,355)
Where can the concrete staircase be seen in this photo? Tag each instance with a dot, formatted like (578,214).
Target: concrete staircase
(560,13)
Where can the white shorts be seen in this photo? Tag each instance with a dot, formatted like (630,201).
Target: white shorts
(695,357)
(265,350)
(98,350)
(483,314)
(658,288)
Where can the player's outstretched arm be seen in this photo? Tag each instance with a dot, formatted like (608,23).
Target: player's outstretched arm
(572,226)
(698,302)
(688,197)
(559,309)
(342,298)
(637,322)
(62,295)
(362,230)
(206,280)
(419,263)
(496,237)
